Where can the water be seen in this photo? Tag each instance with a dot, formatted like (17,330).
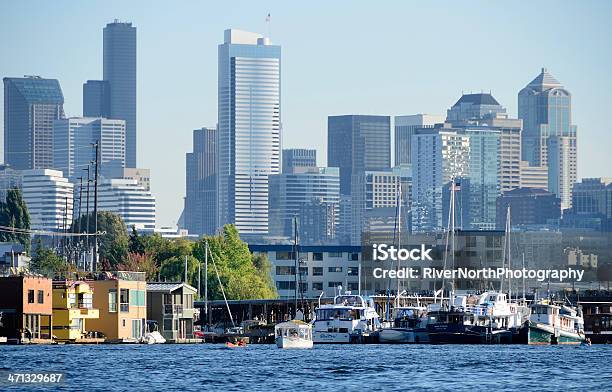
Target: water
(328,367)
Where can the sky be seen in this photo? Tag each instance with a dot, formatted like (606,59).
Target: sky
(340,57)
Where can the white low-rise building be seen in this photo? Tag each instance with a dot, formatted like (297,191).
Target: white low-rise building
(132,202)
(48,195)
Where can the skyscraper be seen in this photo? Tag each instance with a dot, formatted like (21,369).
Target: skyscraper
(134,204)
(201,183)
(546,109)
(473,107)
(404,129)
(31,104)
(298,157)
(120,73)
(49,196)
(292,193)
(357,143)
(249,121)
(73,138)
(96,98)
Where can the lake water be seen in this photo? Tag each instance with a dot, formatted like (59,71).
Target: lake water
(328,367)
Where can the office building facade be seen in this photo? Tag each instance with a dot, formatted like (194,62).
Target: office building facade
(96,98)
(31,104)
(404,129)
(201,183)
(73,140)
(298,157)
(119,72)
(249,127)
(49,197)
(130,201)
(528,208)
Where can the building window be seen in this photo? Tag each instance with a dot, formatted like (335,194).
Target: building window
(41,297)
(353,286)
(334,254)
(353,256)
(167,324)
(124,300)
(334,269)
(112,300)
(30,296)
(334,284)
(137,298)
(285,285)
(317,256)
(317,286)
(303,271)
(352,271)
(317,271)
(285,255)
(285,270)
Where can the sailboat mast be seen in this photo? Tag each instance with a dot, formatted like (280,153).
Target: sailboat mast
(295,255)
(206,278)
(399,241)
(508,252)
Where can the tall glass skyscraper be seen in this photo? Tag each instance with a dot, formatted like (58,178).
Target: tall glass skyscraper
(31,104)
(545,107)
(249,128)
(358,143)
(120,73)
(200,213)
(96,98)
(404,129)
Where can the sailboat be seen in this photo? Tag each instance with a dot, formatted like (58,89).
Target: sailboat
(294,333)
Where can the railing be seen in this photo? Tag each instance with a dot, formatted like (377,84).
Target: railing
(172,309)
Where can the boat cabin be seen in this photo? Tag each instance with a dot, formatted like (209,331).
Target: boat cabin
(294,329)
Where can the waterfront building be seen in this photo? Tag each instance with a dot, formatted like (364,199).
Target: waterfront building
(528,207)
(249,129)
(49,197)
(404,129)
(26,304)
(358,143)
(544,105)
(31,104)
(13,259)
(472,107)
(171,306)
(534,176)
(119,72)
(121,301)
(321,269)
(134,204)
(73,150)
(200,209)
(298,157)
(96,98)
(302,190)
(72,306)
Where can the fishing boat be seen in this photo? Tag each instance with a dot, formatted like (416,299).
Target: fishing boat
(555,324)
(409,326)
(350,319)
(293,334)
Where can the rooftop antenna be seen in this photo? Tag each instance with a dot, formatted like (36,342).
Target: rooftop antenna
(268,19)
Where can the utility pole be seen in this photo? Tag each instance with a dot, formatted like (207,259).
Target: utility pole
(87,219)
(97,173)
(206,313)
(66,228)
(77,226)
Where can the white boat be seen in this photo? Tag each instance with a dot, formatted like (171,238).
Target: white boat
(350,319)
(152,335)
(293,334)
(409,326)
(552,324)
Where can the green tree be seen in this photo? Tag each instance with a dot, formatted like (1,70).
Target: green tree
(48,263)
(141,263)
(136,242)
(243,276)
(173,269)
(113,244)
(14,213)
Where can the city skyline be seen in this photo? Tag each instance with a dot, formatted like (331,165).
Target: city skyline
(430,87)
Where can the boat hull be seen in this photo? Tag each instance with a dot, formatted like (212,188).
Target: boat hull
(293,343)
(542,334)
(402,335)
(331,337)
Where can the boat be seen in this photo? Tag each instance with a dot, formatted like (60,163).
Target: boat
(555,324)
(238,344)
(152,336)
(350,319)
(293,334)
(409,326)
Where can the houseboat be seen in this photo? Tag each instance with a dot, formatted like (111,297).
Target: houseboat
(555,324)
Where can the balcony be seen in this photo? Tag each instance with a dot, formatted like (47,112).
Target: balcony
(173,309)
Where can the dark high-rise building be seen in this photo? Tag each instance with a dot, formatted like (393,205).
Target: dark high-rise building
(120,73)
(96,99)
(528,207)
(200,213)
(404,129)
(358,143)
(473,107)
(31,104)
(298,157)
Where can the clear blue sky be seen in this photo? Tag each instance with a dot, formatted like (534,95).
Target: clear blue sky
(339,57)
